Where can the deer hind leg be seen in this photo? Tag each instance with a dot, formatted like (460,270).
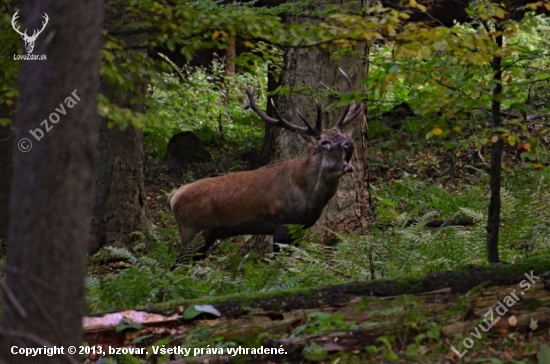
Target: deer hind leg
(194,246)
(189,239)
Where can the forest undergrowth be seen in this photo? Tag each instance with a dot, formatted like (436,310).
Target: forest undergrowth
(411,186)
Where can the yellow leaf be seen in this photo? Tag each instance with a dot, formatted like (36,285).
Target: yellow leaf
(511,140)
(494,139)
(500,13)
(527,147)
(219,33)
(537,166)
(437,131)
(406,16)
(547,6)
(405,52)
(457,128)
(533,6)
(421,7)
(425,52)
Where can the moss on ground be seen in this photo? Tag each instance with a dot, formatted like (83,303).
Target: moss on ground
(459,281)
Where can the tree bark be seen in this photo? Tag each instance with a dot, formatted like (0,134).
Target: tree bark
(11,43)
(52,183)
(229,58)
(6,171)
(119,195)
(349,209)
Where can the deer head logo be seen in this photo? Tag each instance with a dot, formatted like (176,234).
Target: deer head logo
(29,40)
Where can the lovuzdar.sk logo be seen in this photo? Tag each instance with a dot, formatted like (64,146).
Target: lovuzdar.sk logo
(29,39)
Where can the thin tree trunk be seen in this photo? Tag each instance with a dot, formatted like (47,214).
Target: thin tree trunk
(52,183)
(229,58)
(493,223)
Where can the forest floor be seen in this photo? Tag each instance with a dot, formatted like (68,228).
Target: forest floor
(485,315)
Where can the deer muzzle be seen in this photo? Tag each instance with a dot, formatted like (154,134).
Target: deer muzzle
(348,167)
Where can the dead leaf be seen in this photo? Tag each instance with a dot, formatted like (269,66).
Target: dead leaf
(533,324)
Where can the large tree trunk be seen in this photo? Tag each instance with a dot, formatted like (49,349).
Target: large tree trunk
(10,45)
(52,183)
(349,209)
(119,196)
(6,171)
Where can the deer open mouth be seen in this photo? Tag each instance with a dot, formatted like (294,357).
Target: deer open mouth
(347,161)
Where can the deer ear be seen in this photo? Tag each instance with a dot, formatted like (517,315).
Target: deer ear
(349,133)
(306,140)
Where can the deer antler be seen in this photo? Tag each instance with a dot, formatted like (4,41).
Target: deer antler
(13,19)
(43,24)
(280,121)
(351,111)
(35,33)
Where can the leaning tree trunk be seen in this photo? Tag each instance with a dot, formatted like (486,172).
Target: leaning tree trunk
(52,183)
(119,196)
(349,209)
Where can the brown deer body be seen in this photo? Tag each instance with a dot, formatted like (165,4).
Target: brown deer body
(263,201)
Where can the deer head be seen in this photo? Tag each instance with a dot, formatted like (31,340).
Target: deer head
(335,146)
(29,40)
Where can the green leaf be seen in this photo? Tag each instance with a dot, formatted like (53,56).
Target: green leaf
(315,352)
(544,354)
(128,326)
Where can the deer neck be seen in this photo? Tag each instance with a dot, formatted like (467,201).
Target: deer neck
(310,176)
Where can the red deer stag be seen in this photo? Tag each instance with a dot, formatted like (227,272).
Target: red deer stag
(263,201)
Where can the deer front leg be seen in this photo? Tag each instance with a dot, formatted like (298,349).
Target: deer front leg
(280,236)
